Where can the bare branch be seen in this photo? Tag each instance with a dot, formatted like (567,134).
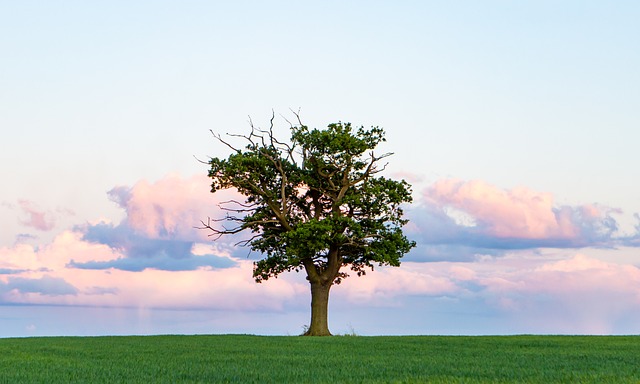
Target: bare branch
(216,233)
(371,168)
(217,136)
(273,116)
(238,203)
(248,138)
(297,115)
(200,161)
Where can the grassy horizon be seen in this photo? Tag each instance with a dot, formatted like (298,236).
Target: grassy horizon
(282,359)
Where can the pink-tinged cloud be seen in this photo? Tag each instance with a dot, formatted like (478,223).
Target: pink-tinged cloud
(170,208)
(66,246)
(384,285)
(553,294)
(540,293)
(519,212)
(46,275)
(36,218)
(159,229)
(534,292)
(476,214)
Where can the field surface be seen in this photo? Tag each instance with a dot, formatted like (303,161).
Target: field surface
(288,359)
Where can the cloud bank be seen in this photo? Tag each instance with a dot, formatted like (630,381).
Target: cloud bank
(510,253)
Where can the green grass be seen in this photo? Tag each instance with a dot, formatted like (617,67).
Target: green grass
(271,359)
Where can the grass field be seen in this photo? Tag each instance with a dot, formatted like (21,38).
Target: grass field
(275,359)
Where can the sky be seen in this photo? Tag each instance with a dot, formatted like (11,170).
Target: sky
(515,122)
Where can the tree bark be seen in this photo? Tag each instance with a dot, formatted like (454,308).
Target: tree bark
(319,309)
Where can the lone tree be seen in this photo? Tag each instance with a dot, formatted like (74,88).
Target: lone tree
(314,203)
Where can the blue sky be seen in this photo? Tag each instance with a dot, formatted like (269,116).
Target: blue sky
(516,123)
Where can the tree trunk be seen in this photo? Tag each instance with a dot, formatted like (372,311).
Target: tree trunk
(319,310)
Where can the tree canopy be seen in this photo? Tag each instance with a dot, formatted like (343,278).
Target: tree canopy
(315,202)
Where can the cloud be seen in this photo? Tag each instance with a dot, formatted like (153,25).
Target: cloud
(140,252)
(579,294)
(163,262)
(46,285)
(19,257)
(136,245)
(8,271)
(36,218)
(536,292)
(123,264)
(159,227)
(480,216)
(170,208)
(633,240)
(101,291)
(61,273)
(386,284)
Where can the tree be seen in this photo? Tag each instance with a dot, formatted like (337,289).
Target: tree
(314,203)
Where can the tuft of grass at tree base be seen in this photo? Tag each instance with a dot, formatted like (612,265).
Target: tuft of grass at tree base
(288,359)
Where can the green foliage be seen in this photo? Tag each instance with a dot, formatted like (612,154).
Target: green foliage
(259,359)
(315,202)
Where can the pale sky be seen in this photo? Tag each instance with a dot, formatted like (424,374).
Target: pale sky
(516,122)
